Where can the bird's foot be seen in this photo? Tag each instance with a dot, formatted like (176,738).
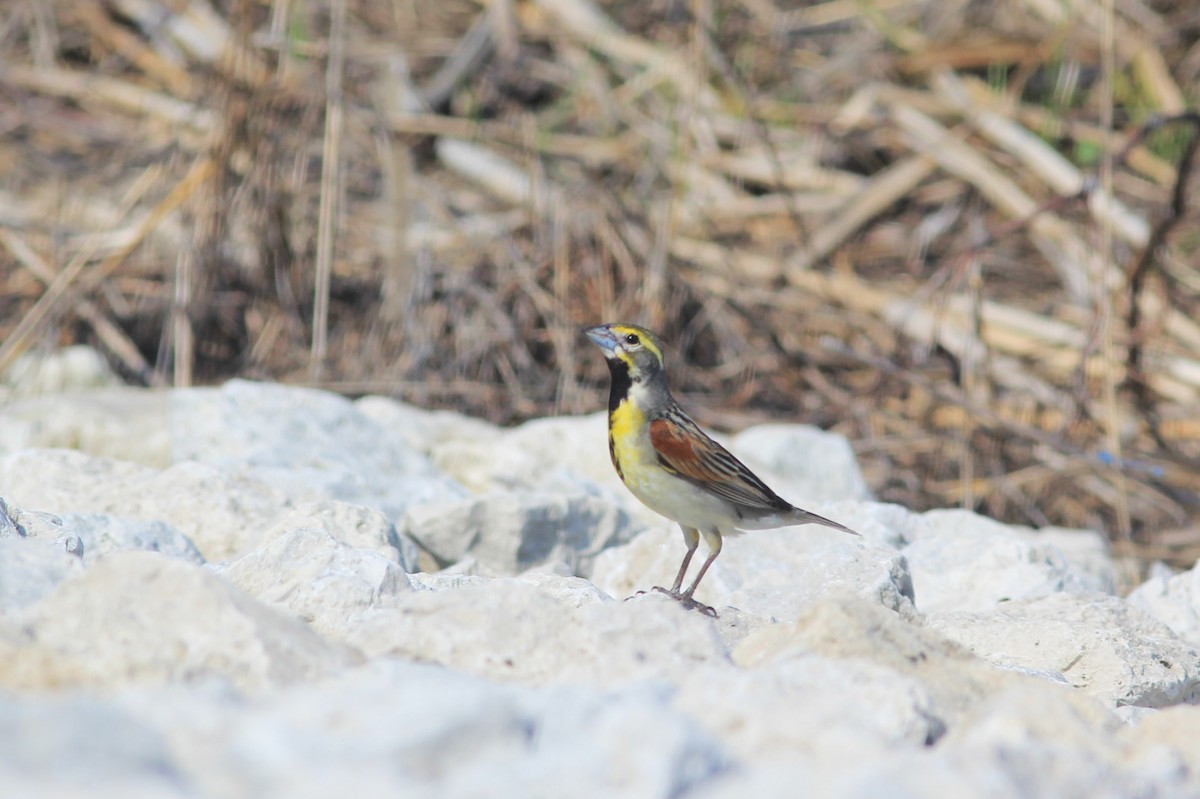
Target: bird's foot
(685,600)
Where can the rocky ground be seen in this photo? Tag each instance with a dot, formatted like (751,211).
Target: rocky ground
(261,591)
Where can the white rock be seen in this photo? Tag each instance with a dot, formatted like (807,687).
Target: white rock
(1173,600)
(1097,642)
(67,369)
(846,627)
(1028,743)
(809,707)
(18,523)
(222,515)
(576,443)
(308,444)
(423,429)
(142,617)
(354,526)
(512,630)
(1029,740)
(540,455)
(1088,554)
(126,423)
(146,675)
(317,577)
(1041,746)
(973,715)
(508,533)
(1167,734)
(769,574)
(393,728)
(962,561)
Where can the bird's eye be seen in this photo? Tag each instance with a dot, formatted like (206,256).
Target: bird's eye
(632,339)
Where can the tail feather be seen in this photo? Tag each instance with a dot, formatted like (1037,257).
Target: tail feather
(787,518)
(801,516)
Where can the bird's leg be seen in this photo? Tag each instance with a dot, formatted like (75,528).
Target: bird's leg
(713,539)
(691,537)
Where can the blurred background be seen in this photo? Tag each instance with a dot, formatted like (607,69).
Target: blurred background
(960,233)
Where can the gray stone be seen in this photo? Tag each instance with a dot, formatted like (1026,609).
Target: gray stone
(507,533)
(81,746)
(32,568)
(101,533)
(9,526)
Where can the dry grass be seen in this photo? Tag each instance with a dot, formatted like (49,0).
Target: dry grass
(885,217)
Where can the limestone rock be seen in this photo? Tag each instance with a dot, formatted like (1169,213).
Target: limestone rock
(809,707)
(143,617)
(1097,642)
(1173,600)
(220,514)
(962,561)
(849,628)
(68,369)
(313,575)
(507,533)
(308,444)
(128,670)
(509,629)
(125,423)
(395,728)
(352,525)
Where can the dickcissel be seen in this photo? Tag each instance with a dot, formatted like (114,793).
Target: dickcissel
(668,462)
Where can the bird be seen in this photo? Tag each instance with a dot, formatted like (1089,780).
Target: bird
(673,467)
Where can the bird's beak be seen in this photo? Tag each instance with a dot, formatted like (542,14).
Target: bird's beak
(603,338)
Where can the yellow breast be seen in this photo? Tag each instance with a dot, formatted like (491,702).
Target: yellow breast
(627,435)
(658,489)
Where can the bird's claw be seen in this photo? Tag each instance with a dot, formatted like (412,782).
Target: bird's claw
(685,600)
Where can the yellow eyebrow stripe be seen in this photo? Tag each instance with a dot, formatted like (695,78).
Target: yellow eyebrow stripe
(647,338)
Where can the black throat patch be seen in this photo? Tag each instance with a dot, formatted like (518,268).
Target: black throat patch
(621,382)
